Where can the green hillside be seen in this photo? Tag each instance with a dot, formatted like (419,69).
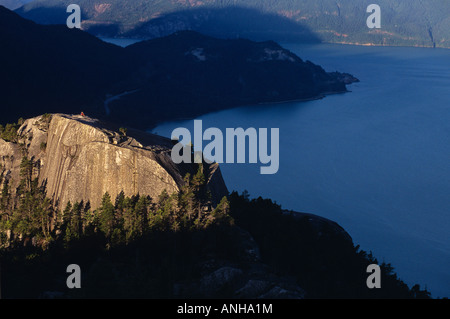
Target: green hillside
(404,22)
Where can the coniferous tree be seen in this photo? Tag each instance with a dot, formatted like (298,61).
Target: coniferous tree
(66,222)
(76,221)
(107,216)
(26,172)
(4,201)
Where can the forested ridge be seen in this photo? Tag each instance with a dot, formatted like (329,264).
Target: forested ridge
(142,247)
(179,76)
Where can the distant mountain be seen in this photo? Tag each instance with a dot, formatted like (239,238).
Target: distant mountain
(54,69)
(13,4)
(404,22)
(186,73)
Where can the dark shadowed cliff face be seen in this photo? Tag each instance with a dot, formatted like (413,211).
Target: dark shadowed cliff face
(80,159)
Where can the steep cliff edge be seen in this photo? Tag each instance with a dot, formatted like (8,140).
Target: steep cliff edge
(79,159)
(173,246)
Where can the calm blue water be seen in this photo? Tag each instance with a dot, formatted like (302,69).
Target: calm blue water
(376,160)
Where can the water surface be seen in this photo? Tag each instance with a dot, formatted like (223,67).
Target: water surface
(376,160)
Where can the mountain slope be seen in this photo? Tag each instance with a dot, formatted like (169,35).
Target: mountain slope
(52,69)
(406,23)
(192,72)
(13,4)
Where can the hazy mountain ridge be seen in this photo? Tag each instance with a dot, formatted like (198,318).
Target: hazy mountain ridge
(13,4)
(179,76)
(404,23)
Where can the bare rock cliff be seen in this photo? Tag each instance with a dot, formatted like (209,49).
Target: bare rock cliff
(79,158)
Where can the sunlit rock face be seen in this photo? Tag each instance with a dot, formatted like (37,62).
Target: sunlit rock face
(79,158)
